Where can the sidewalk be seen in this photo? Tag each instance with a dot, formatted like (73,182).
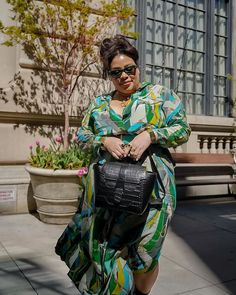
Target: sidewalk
(199,255)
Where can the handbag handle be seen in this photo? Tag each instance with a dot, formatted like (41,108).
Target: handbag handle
(147,153)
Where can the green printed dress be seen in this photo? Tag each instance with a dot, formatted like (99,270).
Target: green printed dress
(102,248)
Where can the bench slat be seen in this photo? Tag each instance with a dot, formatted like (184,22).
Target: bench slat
(184,182)
(181,171)
(208,169)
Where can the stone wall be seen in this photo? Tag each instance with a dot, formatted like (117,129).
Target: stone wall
(210,134)
(20,124)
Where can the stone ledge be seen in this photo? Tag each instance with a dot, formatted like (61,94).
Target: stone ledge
(211,123)
(203,158)
(17,181)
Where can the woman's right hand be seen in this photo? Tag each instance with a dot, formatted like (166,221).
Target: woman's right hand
(114,146)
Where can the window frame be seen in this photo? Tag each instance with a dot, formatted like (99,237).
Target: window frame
(208,67)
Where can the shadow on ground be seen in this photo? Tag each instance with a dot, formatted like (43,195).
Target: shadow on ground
(29,276)
(208,227)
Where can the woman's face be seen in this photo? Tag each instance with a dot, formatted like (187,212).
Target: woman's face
(124,74)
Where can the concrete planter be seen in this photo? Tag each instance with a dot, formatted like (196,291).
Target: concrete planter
(56,192)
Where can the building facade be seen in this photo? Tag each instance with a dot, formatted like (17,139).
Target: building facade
(186,45)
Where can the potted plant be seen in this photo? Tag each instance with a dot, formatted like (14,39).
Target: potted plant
(58,178)
(61,38)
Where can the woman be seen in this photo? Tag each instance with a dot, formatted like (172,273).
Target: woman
(118,253)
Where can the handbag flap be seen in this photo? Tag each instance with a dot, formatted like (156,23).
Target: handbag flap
(129,173)
(111,171)
(123,186)
(105,177)
(133,173)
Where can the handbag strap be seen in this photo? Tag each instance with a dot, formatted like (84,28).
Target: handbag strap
(146,154)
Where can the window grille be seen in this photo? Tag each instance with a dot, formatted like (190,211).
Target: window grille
(186,45)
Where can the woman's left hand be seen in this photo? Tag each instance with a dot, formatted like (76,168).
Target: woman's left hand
(139,144)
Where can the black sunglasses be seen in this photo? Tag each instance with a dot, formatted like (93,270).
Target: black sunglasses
(129,70)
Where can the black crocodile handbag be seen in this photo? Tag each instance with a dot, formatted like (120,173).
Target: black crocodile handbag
(123,186)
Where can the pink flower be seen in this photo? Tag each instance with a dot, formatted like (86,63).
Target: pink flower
(82,171)
(37,142)
(85,170)
(58,139)
(74,138)
(31,147)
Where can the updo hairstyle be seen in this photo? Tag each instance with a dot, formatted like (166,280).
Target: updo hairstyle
(111,47)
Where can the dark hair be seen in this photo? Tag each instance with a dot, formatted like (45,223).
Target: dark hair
(111,47)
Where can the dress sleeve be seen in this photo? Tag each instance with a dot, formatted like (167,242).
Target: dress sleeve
(176,130)
(86,132)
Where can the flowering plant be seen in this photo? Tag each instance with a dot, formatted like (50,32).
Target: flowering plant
(63,45)
(75,157)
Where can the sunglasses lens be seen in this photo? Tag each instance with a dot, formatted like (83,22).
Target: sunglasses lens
(115,73)
(129,70)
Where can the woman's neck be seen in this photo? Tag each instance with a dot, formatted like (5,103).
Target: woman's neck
(124,96)
(121,96)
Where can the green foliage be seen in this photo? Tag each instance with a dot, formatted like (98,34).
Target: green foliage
(55,31)
(54,157)
(62,37)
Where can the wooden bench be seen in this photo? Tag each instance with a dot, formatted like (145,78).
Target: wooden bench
(204,169)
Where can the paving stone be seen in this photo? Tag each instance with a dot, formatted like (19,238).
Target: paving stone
(199,254)
(11,279)
(219,212)
(174,279)
(188,225)
(204,254)
(19,291)
(47,274)
(229,286)
(213,290)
